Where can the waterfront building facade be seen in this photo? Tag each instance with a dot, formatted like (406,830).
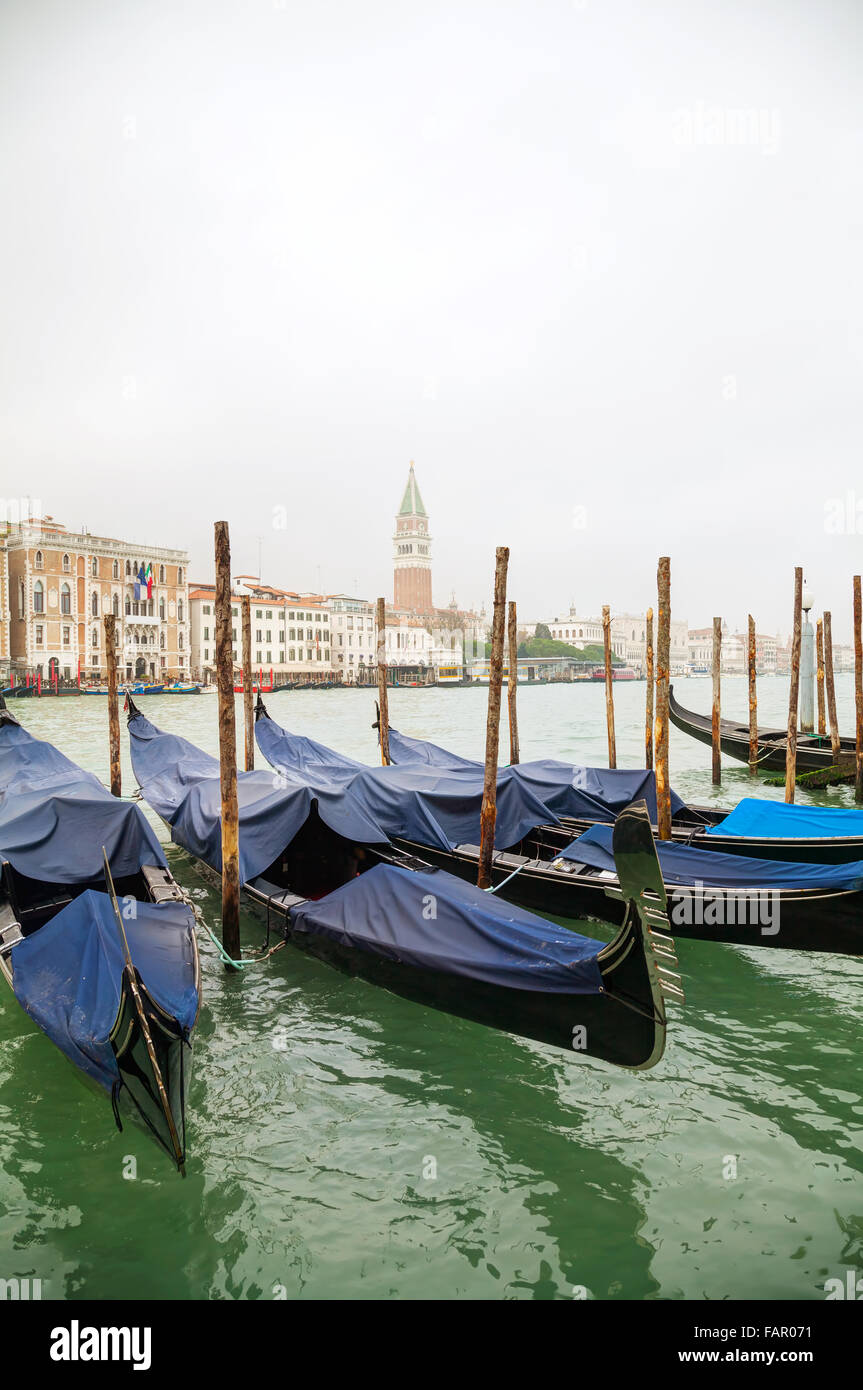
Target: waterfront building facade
(61,586)
(291,633)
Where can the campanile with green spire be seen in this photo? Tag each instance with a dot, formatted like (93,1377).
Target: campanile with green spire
(412,588)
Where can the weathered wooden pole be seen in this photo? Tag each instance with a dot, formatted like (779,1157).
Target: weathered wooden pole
(663,649)
(714,728)
(753,700)
(649,674)
(791,742)
(248,702)
(227,747)
(819,675)
(492,730)
(383,702)
(113,703)
(858,686)
(512,685)
(609,684)
(835,745)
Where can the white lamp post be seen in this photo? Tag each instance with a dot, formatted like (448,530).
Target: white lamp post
(807,668)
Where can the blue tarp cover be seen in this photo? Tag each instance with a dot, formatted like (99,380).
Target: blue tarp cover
(68,974)
(404,749)
(432,806)
(776,820)
(436,922)
(182,784)
(686,864)
(55,817)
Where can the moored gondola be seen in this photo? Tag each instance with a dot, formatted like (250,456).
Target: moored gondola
(814,751)
(322,871)
(116,989)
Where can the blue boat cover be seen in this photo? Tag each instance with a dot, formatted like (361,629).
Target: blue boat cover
(433,921)
(68,974)
(55,817)
(686,864)
(439,807)
(182,784)
(546,789)
(776,820)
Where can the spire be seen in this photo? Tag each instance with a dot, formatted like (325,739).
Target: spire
(412,503)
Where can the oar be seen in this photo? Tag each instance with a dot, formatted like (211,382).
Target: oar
(142,1019)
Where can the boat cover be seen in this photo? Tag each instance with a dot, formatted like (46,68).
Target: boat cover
(686,864)
(563,789)
(68,974)
(776,820)
(182,784)
(433,921)
(434,806)
(55,817)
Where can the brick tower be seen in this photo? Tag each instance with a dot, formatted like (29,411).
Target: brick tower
(412,552)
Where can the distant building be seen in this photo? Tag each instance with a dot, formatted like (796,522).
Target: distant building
(412,586)
(628,637)
(61,584)
(291,632)
(354,638)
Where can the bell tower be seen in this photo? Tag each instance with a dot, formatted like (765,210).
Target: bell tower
(412,552)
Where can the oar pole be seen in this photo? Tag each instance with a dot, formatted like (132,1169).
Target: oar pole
(753,700)
(715,713)
(383,698)
(819,675)
(492,732)
(110,623)
(248,703)
(835,745)
(609,685)
(858,687)
(650,676)
(794,693)
(663,651)
(512,684)
(227,747)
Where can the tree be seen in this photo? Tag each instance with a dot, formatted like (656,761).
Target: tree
(542,630)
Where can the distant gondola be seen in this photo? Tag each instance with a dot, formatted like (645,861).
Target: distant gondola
(813,750)
(115,989)
(321,870)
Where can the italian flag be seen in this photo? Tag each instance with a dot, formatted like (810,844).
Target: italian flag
(148,575)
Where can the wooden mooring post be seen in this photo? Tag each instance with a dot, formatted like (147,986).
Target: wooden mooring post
(794,693)
(819,676)
(835,746)
(512,685)
(716,762)
(609,685)
(113,703)
(858,687)
(383,701)
(649,676)
(753,700)
(492,731)
(227,747)
(248,702)
(663,651)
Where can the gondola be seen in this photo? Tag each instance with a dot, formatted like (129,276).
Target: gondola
(755,827)
(115,987)
(434,812)
(322,872)
(814,751)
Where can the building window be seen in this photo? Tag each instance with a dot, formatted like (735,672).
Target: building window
(206,634)
(206,654)
(162,609)
(206,609)
(128,606)
(292,656)
(38,560)
(65,599)
(180,640)
(38,597)
(66,564)
(94,604)
(115,569)
(162,640)
(161,574)
(180,575)
(281,658)
(65,637)
(128,566)
(95,637)
(257,634)
(39,632)
(179,610)
(94,566)
(258,657)
(115,605)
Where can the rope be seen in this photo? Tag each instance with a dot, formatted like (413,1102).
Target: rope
(223,954)
(506,880)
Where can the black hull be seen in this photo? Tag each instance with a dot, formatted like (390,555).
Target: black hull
(820,850)
(139,1094)
(625,1025)
(807,920)
(814,753)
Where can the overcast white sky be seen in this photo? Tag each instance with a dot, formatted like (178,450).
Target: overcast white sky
(259,254)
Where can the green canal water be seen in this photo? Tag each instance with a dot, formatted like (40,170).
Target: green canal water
(347,1144)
